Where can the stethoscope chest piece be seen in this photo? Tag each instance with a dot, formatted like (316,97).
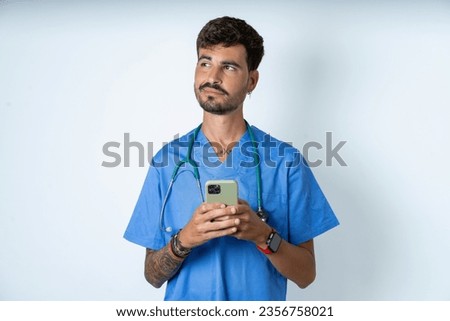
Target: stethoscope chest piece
(262,215)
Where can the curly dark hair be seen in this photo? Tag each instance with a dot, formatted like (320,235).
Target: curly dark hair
(228,32)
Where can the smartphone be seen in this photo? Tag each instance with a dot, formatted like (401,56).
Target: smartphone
(222,191)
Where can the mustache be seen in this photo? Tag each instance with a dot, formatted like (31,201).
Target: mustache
(213,86)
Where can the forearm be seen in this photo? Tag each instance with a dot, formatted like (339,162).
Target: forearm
(161,265)
(297,263)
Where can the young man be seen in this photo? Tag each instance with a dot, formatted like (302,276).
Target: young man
(211,251)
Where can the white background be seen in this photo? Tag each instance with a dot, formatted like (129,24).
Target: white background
(74,76)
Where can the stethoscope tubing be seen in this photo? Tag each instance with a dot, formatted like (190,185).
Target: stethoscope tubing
(190,161)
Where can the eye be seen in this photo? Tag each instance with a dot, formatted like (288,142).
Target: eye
(205,64)
(230,67)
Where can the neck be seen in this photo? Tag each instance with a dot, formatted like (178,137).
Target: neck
(223,129)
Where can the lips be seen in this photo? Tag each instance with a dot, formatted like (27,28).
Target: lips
(212,91)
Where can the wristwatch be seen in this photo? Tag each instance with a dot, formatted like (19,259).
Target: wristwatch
(273,243)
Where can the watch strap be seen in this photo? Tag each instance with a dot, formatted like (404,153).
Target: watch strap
(265,251)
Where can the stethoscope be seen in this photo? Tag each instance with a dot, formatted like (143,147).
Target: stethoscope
(189,161)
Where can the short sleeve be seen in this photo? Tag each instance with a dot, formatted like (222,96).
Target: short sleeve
(310,214)
(143,228)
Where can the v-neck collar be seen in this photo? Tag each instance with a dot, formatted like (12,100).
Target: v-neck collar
(205,153)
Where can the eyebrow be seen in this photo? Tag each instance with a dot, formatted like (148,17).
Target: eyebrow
(204,57)
(223,63)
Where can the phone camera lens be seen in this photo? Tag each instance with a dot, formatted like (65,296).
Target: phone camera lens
(214,189)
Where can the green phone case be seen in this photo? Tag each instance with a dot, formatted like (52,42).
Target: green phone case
(228,194)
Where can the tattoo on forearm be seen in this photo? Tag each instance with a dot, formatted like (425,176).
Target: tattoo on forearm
(160,266)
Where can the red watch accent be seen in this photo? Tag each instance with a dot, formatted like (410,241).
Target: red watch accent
(265,251)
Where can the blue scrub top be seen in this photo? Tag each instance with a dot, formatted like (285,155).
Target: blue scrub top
(227,268)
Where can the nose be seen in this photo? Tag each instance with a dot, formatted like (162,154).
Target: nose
(215,75)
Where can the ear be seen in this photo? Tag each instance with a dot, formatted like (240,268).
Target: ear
(253,78)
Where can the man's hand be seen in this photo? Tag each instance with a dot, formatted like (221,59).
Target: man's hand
(251,227)
(209,221)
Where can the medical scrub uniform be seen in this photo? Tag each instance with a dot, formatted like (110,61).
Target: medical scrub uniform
(227,268)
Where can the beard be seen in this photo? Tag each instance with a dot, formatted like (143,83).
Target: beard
(211,104)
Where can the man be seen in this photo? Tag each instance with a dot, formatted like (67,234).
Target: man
(213,251)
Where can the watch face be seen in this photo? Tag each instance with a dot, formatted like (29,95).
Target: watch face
(274,242)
